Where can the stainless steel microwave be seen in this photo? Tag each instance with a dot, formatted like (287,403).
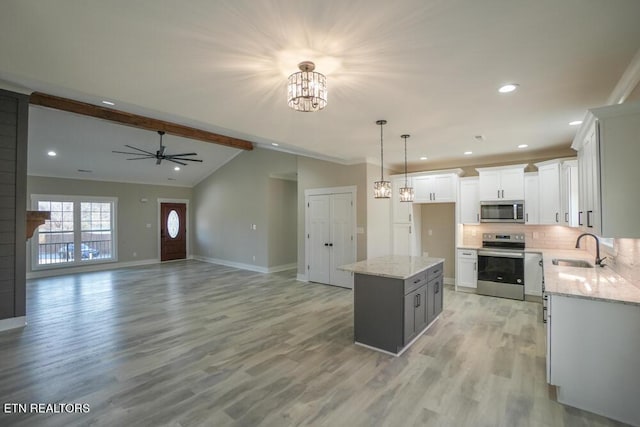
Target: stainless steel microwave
(502,211)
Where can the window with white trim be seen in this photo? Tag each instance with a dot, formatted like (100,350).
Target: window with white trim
(88,223)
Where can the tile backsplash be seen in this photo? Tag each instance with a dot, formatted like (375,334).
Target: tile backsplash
(624,258)
(536,236)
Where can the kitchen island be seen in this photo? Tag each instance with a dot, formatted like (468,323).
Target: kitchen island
(396,298)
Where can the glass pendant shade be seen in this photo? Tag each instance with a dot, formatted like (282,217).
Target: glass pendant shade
(382,188)
(406,192)
(307,89)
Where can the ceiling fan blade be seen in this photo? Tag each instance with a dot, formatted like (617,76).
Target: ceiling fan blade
(133,154)
(182,154)
(184,160)
(175,161)
(139,149)
(140,158)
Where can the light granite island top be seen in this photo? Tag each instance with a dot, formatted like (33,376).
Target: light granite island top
(393,266)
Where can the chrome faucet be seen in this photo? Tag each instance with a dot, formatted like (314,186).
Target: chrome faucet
(598,259)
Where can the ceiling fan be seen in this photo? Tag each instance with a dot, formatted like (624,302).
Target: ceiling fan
(159,155)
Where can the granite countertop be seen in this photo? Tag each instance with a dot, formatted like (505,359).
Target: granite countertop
(393,266)
(598,283)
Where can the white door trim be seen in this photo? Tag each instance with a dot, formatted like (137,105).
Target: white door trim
(330,190)
(186,202)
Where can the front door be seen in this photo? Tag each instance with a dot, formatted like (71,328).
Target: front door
(173,231)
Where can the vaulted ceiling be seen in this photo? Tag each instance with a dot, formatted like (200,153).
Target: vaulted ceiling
(430,67)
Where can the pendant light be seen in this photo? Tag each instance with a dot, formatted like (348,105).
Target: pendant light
(406,192)
(382,188)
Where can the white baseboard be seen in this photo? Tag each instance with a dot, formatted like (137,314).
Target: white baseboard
(302,278)
(449,281)
(243,266)
(89,268)
(13,323)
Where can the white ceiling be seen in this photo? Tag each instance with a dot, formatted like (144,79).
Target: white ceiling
(430,67)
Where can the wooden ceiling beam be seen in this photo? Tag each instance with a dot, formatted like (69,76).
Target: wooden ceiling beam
(142,122)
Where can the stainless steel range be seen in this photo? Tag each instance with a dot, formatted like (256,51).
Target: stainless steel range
(501,265)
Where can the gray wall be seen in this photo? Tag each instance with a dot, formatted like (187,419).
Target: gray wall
(133,215)
(440,218)
(314,173)
(233,198)
(283,217)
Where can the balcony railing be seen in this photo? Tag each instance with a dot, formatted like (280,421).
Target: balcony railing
(62,253)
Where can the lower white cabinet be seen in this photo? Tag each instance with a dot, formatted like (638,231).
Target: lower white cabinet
(592,355)
(467,268)
(533,274)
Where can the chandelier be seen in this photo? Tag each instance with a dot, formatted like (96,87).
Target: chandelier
(307,89)
(382,188)
(406,192)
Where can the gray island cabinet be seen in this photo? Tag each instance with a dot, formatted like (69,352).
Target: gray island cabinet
(396,298)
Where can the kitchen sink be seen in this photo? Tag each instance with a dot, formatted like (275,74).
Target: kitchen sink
(572,263)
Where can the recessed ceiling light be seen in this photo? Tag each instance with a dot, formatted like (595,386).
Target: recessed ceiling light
(177,168)
(423,158)
(466,153)
(508,88)
(575,123)
(52,154)
(522,146)
(108,103)
(275,144)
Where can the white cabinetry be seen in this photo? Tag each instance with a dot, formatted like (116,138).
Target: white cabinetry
(469,201)
(549,201)
(533,274)
(558,201)
(569,193)
(405,222)
(592,355)
(531,198)
(608,148)
(502,183)
(435,188)
(402,211)
(467,268)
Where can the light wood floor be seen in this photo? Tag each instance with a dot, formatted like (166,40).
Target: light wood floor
(190,343)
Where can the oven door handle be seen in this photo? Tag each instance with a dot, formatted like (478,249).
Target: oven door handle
(501,254)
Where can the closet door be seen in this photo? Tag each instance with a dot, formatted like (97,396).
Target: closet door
(331,236)
(342,238)
(319,239)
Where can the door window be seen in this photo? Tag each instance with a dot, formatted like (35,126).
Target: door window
(173,224)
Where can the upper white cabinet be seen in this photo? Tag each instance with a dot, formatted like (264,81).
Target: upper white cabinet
(608,148)
(558,197)
(502,183)
(569,198)
(531,198)
(469,201)
(435,188)
(549,195)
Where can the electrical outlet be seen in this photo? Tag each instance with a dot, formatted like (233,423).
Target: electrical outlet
(430,232)
(135,254)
